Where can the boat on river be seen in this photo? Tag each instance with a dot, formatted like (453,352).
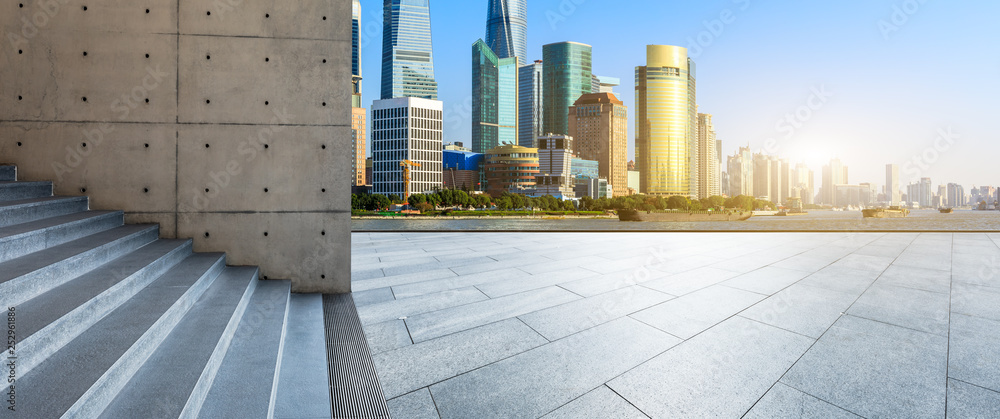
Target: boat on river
(683,216)
(891,212)
(946,210)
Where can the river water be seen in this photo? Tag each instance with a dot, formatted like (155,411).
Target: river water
(919,220)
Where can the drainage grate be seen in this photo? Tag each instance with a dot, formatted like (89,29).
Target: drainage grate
(354,386)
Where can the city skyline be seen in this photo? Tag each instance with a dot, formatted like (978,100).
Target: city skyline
(750,103)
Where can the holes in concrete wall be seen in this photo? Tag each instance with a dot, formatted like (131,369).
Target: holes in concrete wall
(146,145)
(83,190)
(147,100)
(85,8)
(324,104)
(207,190)
(147,55)
(324,61)
(266,103)
(19,144)
(19,98)
(266,190)
(20,5)
(266,146)
(265,277)
(20,52)
(208,102)
(85,53)
(84,98)
(322,277)
(84,145)
(322,233)
(208,13)
(147,11)
(208,57)
(207,145)
(324,17)
(267,60)
(323,190)
(207,235)
(145,190)
(267,16)
(323,146)
(265,234)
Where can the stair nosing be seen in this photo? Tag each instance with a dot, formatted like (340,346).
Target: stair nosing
(102,392)
(79,316)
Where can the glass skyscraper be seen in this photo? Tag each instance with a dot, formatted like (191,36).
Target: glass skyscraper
(529,105)
(494,99)
(566,76)
(666,122)
(356,54)
(507,29)
(407,56)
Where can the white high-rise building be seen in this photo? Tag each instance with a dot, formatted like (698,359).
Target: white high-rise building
(892,184)
(406,128)
(555,154)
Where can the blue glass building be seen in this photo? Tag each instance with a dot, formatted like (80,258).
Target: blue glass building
(529,105)
(494,99)
(507,29)
(566,76)
(407,56)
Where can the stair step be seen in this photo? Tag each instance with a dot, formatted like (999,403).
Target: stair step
(29,276)
(25,211)
(172,379)
(82,378)
(22,239)
(51,320)
(303,386)
(8,173)
(247,373)
(16,191)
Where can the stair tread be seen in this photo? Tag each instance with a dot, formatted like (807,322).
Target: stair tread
(247,372)
(7,233)
(57,383)
(41,311)
(32,262)
(12,190)
(7,205)
(161,387)
(304,379)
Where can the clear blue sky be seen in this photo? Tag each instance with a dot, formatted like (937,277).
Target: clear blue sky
(891,94)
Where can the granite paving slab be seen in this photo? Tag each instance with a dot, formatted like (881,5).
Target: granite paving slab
(906,307)
(387,336)
(456,319)
(412,367)
(690,281)
(564,320)
(802,309)
(966,401)
(693,313)
(599,403)
(719,373)
(875,370)
(975,351)
(416,405)
(396,309)
(783,401)
(538,381)
(767,280)
(524,283)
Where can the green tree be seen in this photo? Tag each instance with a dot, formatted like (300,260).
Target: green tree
(677,202)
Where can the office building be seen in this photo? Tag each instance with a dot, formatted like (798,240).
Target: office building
(604,84)
(494,99)
(460,169)
(356,49)
(359,146)
(776,194)
(507,29)
(666,122)
(566,76)
(584,169)
(407,53)
(920,194)
(406,129)
(834,174)
(634,182)
(529,104)
(956,195)
(857,196)
(740,170)
(594,188)
(892,184)
(803,184)
(762,177)
(555,154)
(598,123)
(510,168)
(708,158)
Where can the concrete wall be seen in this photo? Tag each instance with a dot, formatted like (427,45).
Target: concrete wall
(246,129)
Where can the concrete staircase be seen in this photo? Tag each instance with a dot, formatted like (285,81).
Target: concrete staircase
(112,321)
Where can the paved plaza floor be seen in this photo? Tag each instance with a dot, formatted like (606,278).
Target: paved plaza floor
(672,325)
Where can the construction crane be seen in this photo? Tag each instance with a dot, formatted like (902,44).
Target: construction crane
(406,164)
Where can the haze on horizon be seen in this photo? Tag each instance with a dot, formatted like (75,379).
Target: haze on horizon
(896,74)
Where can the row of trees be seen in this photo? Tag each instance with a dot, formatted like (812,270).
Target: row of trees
(508,201)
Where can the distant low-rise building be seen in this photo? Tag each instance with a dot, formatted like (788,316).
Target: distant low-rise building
(555,153)
(510,168)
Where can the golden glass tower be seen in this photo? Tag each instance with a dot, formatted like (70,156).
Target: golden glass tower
(666,122)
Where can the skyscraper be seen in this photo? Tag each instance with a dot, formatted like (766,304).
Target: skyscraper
(406,129)
(708,159)
(359,142)
(529,104)
(507,29)
(494,99)
(834,174)
(892,184)
(762,177)
(666,122)
(555,178)
(598,122)
(407,54)
(565,77)
(740,170)
(356,48)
